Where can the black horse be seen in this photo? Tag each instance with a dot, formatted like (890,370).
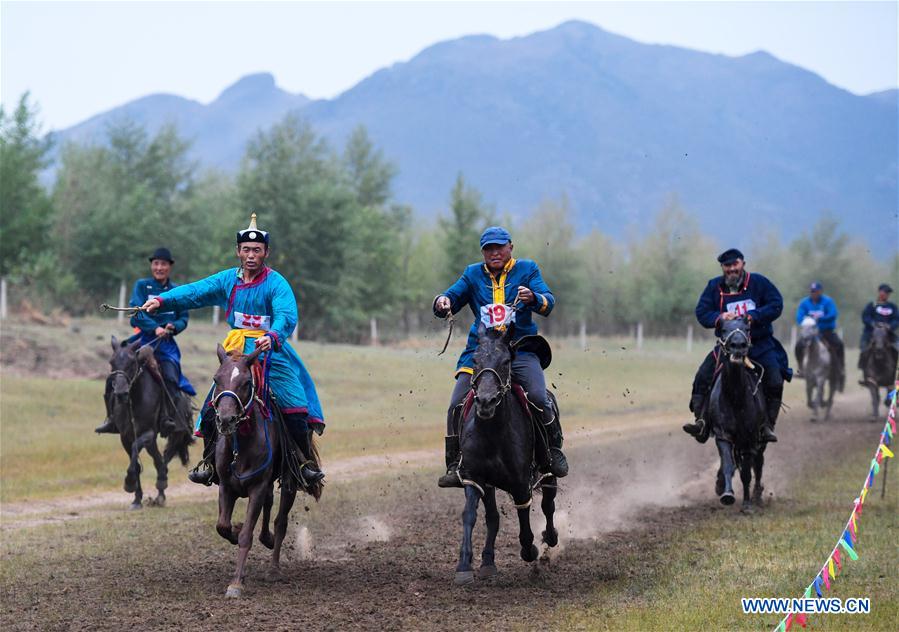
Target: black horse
(736,412)
(497,441)
(253,450)
(879,366)
(135,390)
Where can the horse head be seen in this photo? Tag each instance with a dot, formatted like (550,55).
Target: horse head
(123,366)
(492,369)
(233,394)
(734,338)
(808,330)
(880,338)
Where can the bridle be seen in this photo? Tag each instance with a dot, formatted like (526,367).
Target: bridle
(245,409)
(504,387)
(725,341)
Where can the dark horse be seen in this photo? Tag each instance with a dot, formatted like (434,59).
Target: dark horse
(497,441)
(736,412)
(879,368)
(819,368)
(136,393)
(252,451)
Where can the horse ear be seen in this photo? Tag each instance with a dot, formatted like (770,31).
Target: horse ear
(250,359)
(510,333)
(222,354)
(115,343)
(133,347)
(482,329)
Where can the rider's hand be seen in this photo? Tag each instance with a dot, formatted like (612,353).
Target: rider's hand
(525,295)
(150,306)
(729,316)
(161,331)
(264,343)
(442,305)
(170,328)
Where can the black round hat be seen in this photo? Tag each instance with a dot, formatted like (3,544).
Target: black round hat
(162,253)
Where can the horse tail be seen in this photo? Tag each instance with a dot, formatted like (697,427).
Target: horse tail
(177,445)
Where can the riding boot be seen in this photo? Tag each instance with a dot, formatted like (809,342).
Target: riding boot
(204,472)
(300,433)
(697,428)
(766,432)
(108,426)
(453,477)
(558,464)
(167,424)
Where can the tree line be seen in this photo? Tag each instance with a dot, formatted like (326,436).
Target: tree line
(352,251)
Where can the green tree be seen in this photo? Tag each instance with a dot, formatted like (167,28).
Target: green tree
(461,231)
(370,174)
(25,207)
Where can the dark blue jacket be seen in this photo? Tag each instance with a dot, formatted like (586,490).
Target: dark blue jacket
(165,350)
(477,288)
(880,313)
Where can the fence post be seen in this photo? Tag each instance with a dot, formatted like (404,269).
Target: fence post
(3,311)
(583,334)
(120,317)
(295,336)
(689,338)
(374,331)
(639,336)
(792,337)
(215,314)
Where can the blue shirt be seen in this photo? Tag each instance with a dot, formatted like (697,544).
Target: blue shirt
(824,312)
(477,288)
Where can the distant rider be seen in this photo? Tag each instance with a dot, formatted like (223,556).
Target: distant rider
(876,312)
(823,310)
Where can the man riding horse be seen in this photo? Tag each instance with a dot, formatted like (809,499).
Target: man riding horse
(262,312)
(823,310)
(158,330)
(880,312)
(736,294)
(492,283)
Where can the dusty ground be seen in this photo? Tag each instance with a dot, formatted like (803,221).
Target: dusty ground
(379,550)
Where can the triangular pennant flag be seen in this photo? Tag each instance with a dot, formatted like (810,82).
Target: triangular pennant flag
(789,622)
(808,593)
(862,497)
(801,617)
(875,466)
(817,584)
(879,457)
(836,558)
(849,550)
(886,451)
(852,529)
(825,575)
(781,627)
(830,568)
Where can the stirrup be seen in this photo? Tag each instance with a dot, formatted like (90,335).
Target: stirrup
(107,427)
(766,435)
(310,475)
(452,478)
(202,474)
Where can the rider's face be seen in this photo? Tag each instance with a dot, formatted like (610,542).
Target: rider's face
(732,270)
(496,256)
(160,269)
(252,255)
(882,297)
(815,295)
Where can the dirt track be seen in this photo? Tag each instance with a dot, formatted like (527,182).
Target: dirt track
(380,553)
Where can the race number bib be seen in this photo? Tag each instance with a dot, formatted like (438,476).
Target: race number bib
(251,321)
(816,314)
(497,315)
(883,310)
(741,308)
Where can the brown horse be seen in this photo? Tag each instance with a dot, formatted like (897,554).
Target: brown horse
(135,393)
(252,451)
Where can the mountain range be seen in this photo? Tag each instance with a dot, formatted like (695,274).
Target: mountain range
(617,126)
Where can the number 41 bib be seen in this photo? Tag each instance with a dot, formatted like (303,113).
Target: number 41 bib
(741,308)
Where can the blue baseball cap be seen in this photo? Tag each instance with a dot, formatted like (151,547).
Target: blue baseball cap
(495,235)
(815,286)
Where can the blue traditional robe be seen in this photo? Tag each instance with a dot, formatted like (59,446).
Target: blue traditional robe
(267,303)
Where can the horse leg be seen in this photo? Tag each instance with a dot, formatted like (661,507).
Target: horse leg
(746,478)
(810,396)
(522,500)
(832,382)
(491,515)
(875,404)
(726,453)
(464,574)
(284,506)
(245,538)
(162,471)
(265,536)
(132,479)
(758,463)
(227,498)
(548,505)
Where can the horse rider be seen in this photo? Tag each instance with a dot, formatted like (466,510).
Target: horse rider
(823,310)
(738,293)
(159,331)
(875,312)
(484,284)
(262,312)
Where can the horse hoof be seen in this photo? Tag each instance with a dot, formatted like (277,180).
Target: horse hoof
(813,419)
(529,554)
(275,574)
(130,485)
(233,592)
(135,505)
(487,571)
(159,501)
(727,498)
(267,540)
(551,538)
(464,577)
(747,508)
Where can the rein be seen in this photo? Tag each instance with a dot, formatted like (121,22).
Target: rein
(503,387)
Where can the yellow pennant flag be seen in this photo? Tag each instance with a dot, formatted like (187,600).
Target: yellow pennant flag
(862,497)
(830,567)
(886,451)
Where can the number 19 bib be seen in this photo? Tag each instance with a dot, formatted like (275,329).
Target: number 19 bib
(497,315)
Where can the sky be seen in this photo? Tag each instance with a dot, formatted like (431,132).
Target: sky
(80,58)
